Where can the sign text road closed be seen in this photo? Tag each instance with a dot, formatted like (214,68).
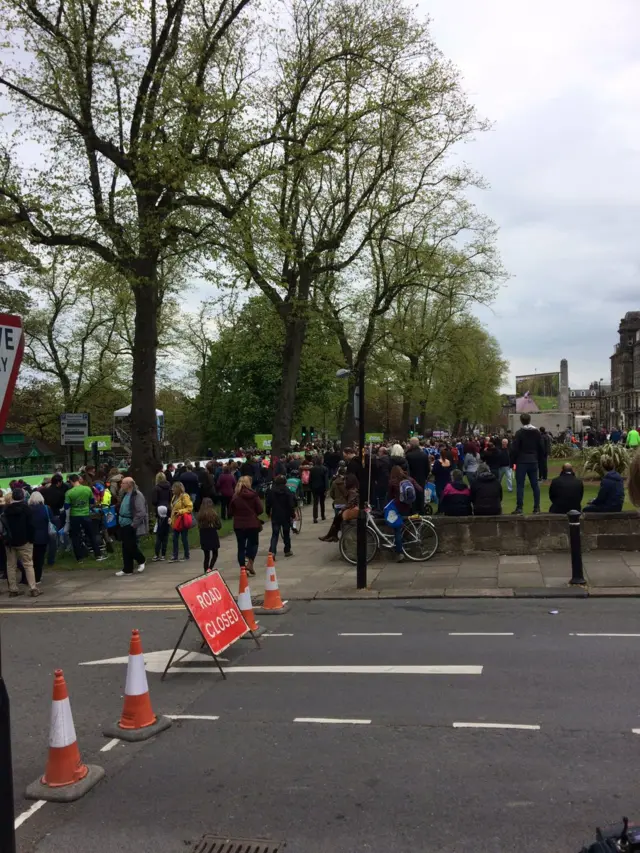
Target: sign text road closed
(214,611)
(11,350)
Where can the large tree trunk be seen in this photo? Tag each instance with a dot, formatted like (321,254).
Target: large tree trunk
(295,330)
(145,456)
(349,432)
(407,396)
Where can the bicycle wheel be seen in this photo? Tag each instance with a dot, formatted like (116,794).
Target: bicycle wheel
(419,540)
(349,543)
(298,518)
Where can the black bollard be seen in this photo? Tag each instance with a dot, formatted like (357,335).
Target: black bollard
(577,576)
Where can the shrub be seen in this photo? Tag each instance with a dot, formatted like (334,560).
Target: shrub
(593,458)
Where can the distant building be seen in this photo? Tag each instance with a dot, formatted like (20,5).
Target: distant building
(23,456)
(587,401)
(621,402)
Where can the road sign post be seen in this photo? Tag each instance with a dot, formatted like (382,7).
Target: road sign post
(213,610)
(11,351)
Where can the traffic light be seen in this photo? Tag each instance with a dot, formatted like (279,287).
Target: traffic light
(304,432)
(411,430)
(312,432)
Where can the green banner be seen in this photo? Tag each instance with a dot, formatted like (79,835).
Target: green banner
(373,437)
(263,442)
(104,442)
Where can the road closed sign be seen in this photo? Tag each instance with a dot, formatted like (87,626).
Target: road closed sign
(214,610)
(11,350)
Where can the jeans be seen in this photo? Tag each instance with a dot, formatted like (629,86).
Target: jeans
(130,549)
(177,536)
(524,470)
(224,503)
(506,471)
(276,527)
(39,553)
(77,525)
(542,468)
(247,544)
(397,535)
(318,498)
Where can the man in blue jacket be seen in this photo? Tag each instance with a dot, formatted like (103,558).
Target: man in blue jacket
(610,497)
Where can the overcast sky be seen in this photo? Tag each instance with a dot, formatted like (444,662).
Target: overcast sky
(560,79)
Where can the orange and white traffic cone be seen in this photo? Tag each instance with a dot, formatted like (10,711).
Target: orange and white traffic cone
(138,722)
(273,603)
(245,606)
(66,778)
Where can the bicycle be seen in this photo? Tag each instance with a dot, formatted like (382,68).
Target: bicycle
(419,539)
(297,516)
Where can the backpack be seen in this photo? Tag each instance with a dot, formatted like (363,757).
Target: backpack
(407,492)
(306,476)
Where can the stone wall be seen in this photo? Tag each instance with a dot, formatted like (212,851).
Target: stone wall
(536,534)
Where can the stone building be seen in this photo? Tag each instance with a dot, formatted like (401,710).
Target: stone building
(586,401)
(621,405)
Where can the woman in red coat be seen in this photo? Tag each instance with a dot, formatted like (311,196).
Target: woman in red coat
(244,508)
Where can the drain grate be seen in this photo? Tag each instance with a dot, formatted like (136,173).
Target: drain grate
(215,844)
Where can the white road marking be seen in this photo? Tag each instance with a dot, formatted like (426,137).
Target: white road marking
(192,717)
(330,720)
(89,608)
(278,635)
(604,635)
(635,731)
(29,813)
(495,726)
(110,745)
(480,634)
(359,670)
(371,635)
(156,661)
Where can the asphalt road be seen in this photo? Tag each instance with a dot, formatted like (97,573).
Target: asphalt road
(399,774)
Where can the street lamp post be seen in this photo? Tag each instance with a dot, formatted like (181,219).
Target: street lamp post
(361,528)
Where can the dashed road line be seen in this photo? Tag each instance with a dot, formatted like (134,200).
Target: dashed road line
(192,717)
(110,745)
(107,608)
(604,635)
(377,634)
(355,670)
(496,726)
(481,634)
(331,720)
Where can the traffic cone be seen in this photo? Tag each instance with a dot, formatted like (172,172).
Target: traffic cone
(138,722)
(245,606)
(65,778)
(273,603)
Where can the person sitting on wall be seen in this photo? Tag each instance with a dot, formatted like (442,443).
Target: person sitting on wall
(566,491)
(610,497)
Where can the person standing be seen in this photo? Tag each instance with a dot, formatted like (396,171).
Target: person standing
(633,439)
(545,451)
(162,533)
(18,536)
(78,502)
(399,480)
(281,506)
(181,505)
(442,472)
(526,451)
(133,519)
(40,519)
(419,468)
(244,508)
(471,461)
(226,487)
(319,484)
(208,526)
(504,464)
(53,496)
(161,492)
(190,482)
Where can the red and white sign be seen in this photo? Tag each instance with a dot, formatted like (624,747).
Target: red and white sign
(11,350)
(214,610)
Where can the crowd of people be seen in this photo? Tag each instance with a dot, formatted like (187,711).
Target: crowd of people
(461,476)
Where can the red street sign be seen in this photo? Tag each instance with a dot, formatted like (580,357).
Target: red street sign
(11,350)
(214,610)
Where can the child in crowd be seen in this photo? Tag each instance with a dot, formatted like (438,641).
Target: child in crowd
(162,534)
(209,524)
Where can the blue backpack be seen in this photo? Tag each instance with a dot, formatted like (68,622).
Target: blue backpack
(407,492)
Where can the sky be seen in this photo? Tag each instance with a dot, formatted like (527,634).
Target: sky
(561,83)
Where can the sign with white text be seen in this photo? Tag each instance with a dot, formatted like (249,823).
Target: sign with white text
(11,351)
(214,610)
(74,427)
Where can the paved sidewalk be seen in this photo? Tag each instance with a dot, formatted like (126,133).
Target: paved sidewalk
(317,571)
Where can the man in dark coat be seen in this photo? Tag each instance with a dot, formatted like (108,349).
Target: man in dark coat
(280,507)
(610,497)
(545,442)
(566,491)
(419,468)
(526,450)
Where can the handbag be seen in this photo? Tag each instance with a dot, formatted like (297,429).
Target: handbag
(350,513)
(110,517)
(392,516)
(53,530)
